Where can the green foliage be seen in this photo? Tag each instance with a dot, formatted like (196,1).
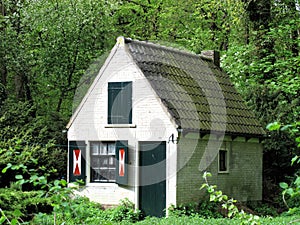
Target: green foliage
(263,209)
(25,159)
(47,46)
(228,203)
(66,205)
(204,209)
(23,204)
(265,70)
(82,211)
(201,221)
(125,211)
(292,190)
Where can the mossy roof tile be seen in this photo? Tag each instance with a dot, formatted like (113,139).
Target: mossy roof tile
(198,94)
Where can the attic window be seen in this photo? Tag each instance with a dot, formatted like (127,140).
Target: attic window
(119,103)
(223,164)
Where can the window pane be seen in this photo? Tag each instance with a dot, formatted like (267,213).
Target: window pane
(223,160)
(111,174)
(103,150)
(95,148)
(96,175)
(95,162)
(112,161)
(111,148)
(103,175)
(103,162)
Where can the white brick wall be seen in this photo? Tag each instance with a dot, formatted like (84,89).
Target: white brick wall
(152,121)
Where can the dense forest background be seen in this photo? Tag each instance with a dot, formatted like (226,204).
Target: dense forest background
(46,46)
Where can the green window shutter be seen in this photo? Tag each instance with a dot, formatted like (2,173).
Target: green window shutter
(122,162)
(119,103)
(77,154)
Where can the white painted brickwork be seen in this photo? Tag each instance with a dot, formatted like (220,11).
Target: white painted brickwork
(151,119)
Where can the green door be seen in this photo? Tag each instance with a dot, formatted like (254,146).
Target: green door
(152,190)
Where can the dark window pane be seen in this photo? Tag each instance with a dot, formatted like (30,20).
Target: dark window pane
(103,162)
(223,160)
(95,162)
(112,175)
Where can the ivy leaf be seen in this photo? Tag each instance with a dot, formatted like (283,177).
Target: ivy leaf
(294,159)
(212,198)
(273,126)
(7,167)
(297,182)
(290,191)
(19,176)
(286,127)
(63,182)
(2,219)
(17,213)
(14,222)
(283,185)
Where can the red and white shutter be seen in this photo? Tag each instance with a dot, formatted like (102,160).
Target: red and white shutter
(122,162)
(76,162)
(77,150)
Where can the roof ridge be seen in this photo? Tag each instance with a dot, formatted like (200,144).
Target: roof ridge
(169,48)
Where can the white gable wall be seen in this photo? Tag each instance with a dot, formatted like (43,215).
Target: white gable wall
(150,122)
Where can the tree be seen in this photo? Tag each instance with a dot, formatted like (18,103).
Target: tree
(64,37)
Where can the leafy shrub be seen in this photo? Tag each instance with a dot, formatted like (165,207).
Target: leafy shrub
(204,209)
(71,211)
(228,204)
(27,203)
(125,211)
(262,209)
(291,192)
(183,209)
(31,139)
(21,156)
(81,210)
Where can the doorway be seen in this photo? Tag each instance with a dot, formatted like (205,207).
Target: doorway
(152,176)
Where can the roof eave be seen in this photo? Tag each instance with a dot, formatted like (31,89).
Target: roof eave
(221,133)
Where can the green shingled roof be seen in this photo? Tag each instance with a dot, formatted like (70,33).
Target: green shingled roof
(196,92)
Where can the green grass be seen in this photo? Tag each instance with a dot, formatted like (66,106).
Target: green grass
(184,220)
(200,221)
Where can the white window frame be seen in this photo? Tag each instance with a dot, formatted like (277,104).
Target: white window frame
(102,146)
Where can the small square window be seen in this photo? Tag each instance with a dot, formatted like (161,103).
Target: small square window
(103,162)
(223,164)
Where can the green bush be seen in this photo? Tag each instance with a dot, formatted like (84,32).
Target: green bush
(71,211)
(27,203)
(125,211)
(262,209)
(81,210)
(204,209)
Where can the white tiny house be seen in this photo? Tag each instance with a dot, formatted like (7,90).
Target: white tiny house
(152,121)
